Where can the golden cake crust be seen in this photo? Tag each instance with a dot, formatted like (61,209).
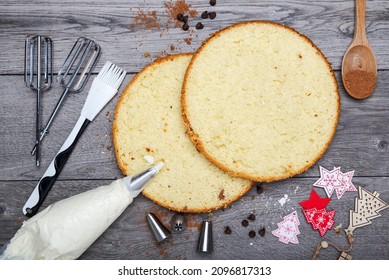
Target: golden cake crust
(196,138)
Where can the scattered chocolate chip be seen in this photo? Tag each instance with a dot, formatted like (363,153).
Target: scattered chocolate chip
(382,145)
(212,2)
(252,234)
(185,27)
(259,188)
(245,223)
(251,217)
(212,15)
(227,230)
(180,17)
(199,25)
(204,15)
(185,19)
(262,232)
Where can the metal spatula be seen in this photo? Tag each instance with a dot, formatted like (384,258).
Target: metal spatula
(38,75)
(74,74)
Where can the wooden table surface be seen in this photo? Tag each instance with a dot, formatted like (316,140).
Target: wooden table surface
(360,143)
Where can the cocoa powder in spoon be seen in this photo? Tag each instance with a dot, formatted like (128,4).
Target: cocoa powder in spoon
(360,83)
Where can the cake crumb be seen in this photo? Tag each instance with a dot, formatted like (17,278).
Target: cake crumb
(149,159)
(338,228)
(221,195)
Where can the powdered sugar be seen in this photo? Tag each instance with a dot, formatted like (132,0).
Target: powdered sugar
(283,200)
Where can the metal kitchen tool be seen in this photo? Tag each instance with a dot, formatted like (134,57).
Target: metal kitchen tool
(178,223)
(205,244)
(62,231)
(103,89)
(38,75)
(74,74)
(159,230)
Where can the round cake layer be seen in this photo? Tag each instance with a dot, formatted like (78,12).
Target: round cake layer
(260,101)
(148,127)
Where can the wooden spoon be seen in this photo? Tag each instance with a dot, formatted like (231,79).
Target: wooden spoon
(359,67)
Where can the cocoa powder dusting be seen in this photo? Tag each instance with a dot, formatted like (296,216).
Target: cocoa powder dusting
(19,221)
(147,20)
(192,222)
(188,40)
(360,84)
(179,7)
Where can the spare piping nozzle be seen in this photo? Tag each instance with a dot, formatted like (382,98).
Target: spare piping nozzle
(205,244)
(178,223)
(159,230)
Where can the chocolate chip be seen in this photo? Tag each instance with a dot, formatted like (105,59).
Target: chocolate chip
(382,145)
(259,188)
(185,27)
(262,232)
(204,15)
(227,230)
(185,19)
(180,17)
(251,217)
(199,25)
(245,223)
(252,234)
(212,15)
(212,2)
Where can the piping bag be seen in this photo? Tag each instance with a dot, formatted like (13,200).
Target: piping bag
(65,229)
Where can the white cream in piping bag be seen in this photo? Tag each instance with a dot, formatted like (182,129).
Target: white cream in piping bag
(65,229)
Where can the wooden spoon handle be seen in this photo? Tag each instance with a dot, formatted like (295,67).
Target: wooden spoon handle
(360,23)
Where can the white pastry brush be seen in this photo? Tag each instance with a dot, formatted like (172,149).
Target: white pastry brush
(103,89)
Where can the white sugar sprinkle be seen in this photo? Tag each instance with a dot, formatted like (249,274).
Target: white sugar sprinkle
(283,200)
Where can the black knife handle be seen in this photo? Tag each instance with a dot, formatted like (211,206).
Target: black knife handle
(48,179)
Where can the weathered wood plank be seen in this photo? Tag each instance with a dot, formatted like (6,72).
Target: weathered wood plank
(360,143)
(130,238)
(329,24)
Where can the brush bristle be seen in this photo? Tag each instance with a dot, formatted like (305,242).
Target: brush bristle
(111,74)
